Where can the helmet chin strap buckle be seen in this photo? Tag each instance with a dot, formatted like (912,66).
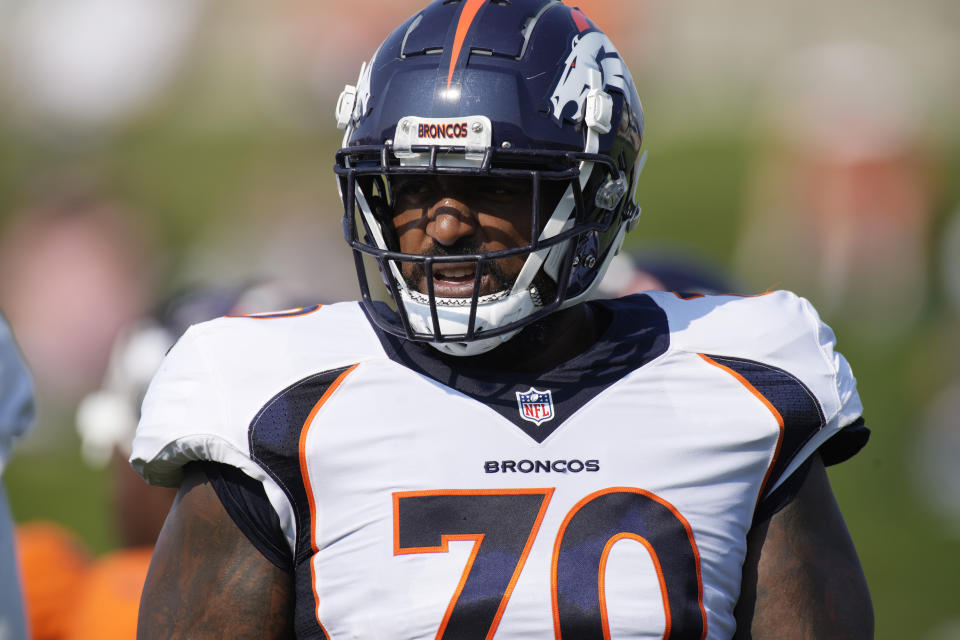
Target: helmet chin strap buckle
(345,105)
(598,111)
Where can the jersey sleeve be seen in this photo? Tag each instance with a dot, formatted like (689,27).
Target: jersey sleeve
(185,418)
(208,399)
(778,348)
(182,419)
(821,410)
(843,432)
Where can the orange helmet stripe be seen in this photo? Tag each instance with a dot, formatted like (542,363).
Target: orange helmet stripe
(467,17)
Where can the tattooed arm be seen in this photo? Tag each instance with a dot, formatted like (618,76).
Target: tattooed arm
(207,580)
(802,578)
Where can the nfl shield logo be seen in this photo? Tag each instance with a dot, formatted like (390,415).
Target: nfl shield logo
(535,406)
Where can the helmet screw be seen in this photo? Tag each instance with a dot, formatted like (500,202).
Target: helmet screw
(506,144)
(590,262)
(405,125)
(477,127)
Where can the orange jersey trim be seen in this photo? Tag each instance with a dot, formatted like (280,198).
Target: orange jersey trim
(295,312)
(305,474)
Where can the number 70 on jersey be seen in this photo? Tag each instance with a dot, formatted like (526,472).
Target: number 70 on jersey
(503,523)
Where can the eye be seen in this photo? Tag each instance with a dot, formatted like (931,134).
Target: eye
(413,191)
(507,190)
(412,187)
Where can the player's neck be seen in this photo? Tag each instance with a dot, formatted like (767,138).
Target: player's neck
(549,342)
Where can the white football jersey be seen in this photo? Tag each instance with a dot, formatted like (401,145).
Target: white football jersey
(609,497)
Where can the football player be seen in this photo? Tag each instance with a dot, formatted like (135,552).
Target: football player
(476,449)
(16,415)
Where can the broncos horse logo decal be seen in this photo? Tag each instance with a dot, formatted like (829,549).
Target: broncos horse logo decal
(593,63)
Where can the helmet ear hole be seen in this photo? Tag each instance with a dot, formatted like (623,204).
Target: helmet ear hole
(379,206)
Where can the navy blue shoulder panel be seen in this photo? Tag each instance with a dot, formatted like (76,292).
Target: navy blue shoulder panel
(801,411)
(274,438)
(637,334)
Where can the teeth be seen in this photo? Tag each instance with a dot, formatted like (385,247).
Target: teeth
(455,272)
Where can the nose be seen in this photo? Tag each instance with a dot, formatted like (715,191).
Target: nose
(451,220)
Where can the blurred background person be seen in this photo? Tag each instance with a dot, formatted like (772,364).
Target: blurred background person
(75,267)
(16,415)
(664,270)
(950,260)
(81,268)
(935,455)
(935,452)
(935,446)
(72,595)
(842,196)
(107,418)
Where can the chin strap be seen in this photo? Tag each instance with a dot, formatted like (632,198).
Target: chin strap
(475,348)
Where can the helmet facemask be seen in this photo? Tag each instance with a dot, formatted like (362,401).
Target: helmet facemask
(562,250)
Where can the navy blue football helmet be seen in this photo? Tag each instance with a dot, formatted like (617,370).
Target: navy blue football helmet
(509,89)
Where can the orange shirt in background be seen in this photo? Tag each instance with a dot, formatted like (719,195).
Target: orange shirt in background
(107,605)
(69,595)
(53,564)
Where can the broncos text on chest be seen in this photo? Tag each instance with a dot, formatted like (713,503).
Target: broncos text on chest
(541,466)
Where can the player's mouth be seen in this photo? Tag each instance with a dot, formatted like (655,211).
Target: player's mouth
(456,281)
